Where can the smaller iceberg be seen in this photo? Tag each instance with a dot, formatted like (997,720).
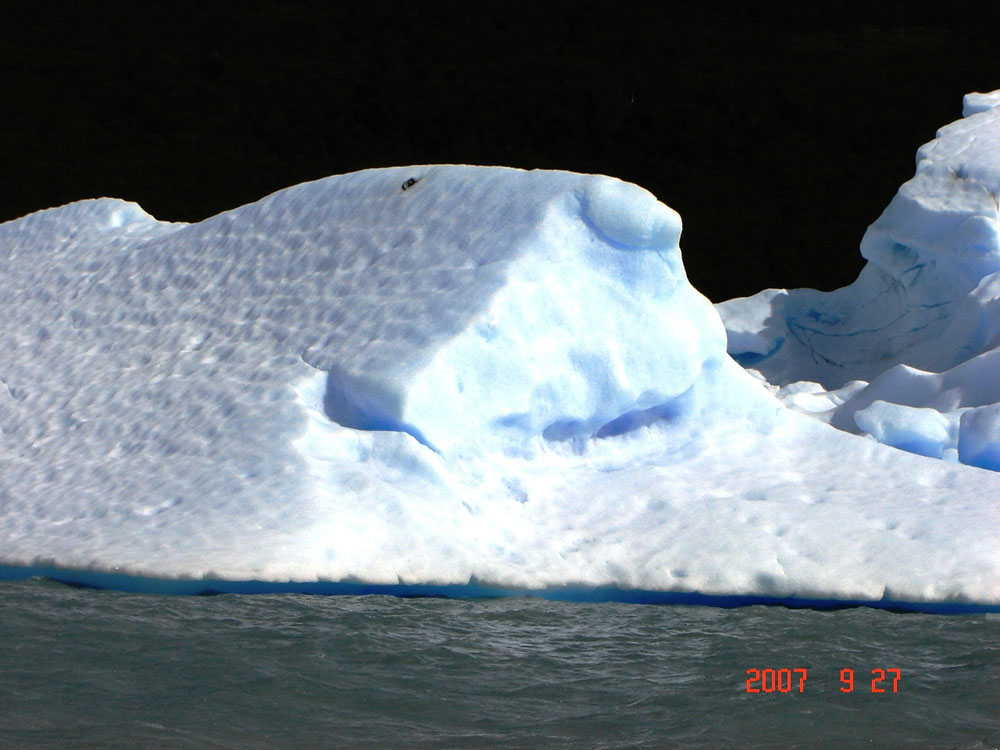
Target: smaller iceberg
(903,353)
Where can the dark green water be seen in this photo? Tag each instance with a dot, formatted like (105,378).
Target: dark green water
(87,668)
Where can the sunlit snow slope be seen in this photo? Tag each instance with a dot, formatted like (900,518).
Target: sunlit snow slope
(437,375)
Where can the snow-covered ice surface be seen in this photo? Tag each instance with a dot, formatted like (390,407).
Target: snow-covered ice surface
(436,375)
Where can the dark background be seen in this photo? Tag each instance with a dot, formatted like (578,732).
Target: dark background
(778,130)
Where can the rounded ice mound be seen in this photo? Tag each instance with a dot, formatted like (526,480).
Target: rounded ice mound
(79,224)
(922,431)
(570,310)
(473,308)
(631,216)
(975,102)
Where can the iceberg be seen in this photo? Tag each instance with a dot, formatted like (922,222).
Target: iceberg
(919,329)
(482,379)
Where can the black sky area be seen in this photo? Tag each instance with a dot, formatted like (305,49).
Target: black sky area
(779,131)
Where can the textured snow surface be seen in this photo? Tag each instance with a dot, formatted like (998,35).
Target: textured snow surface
(437,374)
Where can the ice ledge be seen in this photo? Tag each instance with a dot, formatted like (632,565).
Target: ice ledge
(975,102)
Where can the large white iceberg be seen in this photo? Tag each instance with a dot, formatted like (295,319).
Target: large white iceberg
(443,374)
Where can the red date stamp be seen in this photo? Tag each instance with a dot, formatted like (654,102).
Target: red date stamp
(794,680)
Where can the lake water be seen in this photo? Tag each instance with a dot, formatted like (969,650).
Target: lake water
(91,668)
